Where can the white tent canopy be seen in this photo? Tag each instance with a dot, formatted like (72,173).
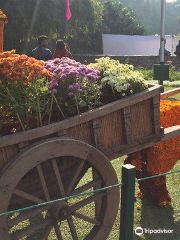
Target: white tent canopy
(136,45)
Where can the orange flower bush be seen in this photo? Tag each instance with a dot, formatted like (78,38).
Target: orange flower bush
(17,67)
(24,96)
(160,158)
(167,153)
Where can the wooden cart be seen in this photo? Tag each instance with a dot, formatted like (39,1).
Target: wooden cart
(53,161)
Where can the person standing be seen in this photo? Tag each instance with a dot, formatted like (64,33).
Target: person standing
(177,52)
(166,52)
(42,52)
(62,50)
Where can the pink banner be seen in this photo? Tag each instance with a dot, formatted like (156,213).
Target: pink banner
(68,12)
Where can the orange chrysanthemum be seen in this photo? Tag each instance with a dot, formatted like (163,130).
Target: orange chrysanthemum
(15,67)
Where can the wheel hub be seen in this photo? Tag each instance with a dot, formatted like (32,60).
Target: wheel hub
(60,211)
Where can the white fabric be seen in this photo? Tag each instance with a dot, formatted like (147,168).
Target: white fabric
(136,45)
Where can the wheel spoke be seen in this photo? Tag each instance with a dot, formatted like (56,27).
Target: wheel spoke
(58,232)
(43,182)
(87,201)
(31,229)
(87,219)
(27,196)
(26,215)
(72,228)
(46,232)
(75,176)
(87,186)
(58,177)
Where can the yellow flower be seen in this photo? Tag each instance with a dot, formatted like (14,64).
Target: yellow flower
(138,207)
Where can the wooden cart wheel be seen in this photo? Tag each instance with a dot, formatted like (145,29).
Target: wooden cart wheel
(50,170)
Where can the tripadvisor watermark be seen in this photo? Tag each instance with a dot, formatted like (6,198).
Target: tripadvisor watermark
(140,231)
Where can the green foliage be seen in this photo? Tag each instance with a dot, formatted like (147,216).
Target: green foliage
(90,18)
(18,100)
(119,20)
(174,75)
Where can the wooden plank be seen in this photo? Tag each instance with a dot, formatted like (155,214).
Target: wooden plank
(43,182)
(88,200)
(141,119)
(75,176)
(58,177)
(27,196)
(6,155)
(169,93)
(26,215)
(86,219)
(58,232)
(111,128)
(23,145)
(156,114)
(81,132)
(85,117)
(96,133)
(62,133)
(154,84)
(46,232)
(169,133)
(87,186)
(127,125)
(72,228)
(31,229)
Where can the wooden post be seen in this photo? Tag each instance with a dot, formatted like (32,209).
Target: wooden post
(3,21)
(127,202)
(1,36)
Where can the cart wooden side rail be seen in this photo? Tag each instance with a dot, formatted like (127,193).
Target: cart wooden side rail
(50,162)
(114,125)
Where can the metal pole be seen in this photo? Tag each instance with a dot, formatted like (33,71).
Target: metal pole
(127,202)
(162,39)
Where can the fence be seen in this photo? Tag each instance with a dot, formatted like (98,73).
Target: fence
(127,199)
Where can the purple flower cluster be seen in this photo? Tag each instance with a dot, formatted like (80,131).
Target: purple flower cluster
(75,87)
(65,68)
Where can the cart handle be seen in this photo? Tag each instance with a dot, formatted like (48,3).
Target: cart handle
(170,93)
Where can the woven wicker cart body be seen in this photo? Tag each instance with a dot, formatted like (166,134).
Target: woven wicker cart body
(50,162)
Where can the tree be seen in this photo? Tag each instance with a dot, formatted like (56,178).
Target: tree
(149,13)
(29,19)
(83,29)
(119,20)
